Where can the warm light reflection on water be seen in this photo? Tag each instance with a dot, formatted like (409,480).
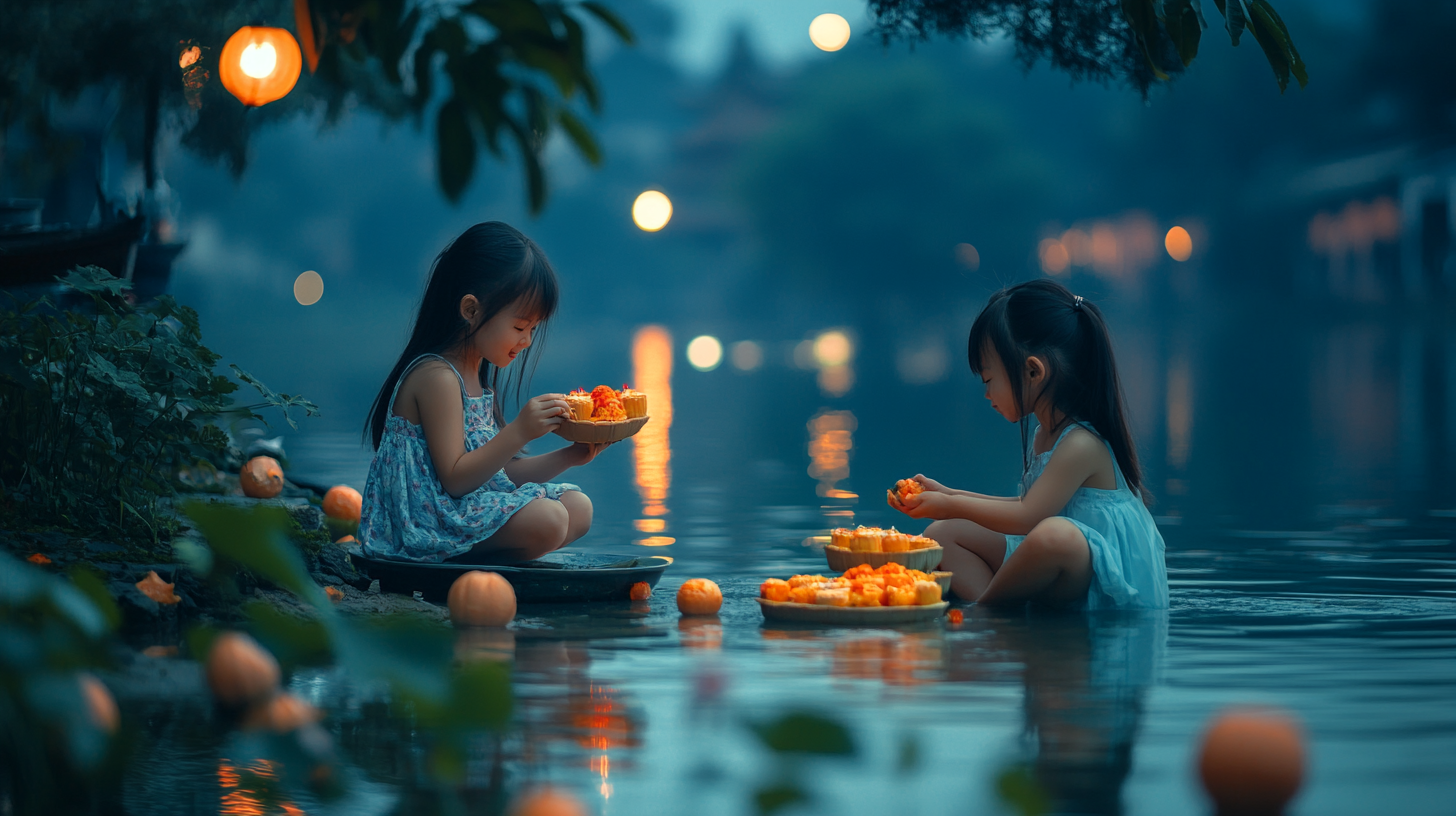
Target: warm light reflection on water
(249,791)
(831,438)
(652,455)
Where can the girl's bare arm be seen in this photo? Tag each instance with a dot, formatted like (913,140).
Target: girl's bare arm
(442,417)
(1079,457)
(547,466)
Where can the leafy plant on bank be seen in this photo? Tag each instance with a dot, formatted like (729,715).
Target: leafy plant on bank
(100,407)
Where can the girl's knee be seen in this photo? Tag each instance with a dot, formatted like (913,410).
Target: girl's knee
(940,531)
(1057,538)
(547,522)
(578,506)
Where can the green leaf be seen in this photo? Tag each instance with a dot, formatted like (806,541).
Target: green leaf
(773,798)
(805,733)
(612,21)
(481,695)
(1233,18)
(1267,21)
(256,538)
(456,149)
(1018,788)
(1142,17)
(580,136)
(88,582)
(1184,26)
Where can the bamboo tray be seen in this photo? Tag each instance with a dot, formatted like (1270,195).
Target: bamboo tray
(849,615)
(924,560)
(576,431)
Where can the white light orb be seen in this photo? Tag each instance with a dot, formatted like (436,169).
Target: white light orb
(829,32)
(832,348)
(308,288)
(705,352)
(651,211)
(259,60)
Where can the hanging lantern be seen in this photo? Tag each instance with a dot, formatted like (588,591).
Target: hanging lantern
(260,65)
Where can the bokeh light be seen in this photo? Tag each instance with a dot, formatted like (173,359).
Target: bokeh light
(1179,244)
(829,32)
(705,352)
(968,256)
(1053,256)
(308,288)
(259,60)
(832,348)
(651,211)
(746,355)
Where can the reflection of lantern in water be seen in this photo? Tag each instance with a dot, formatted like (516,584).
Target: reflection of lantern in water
(831,438)
(253,790)
(652,372)
(260,65)
(600,721)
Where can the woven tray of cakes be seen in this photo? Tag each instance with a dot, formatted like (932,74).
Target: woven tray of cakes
(604,415)
(875,547)
(863,595)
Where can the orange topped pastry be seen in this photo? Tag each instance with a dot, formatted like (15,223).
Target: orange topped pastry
(862,585)
(607,405)
(903,490)
(633,402)
(581,405)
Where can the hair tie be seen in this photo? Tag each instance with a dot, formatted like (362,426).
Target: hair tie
(1076,301)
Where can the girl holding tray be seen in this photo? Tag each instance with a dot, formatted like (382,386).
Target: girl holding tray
(447,480)
(1080,533)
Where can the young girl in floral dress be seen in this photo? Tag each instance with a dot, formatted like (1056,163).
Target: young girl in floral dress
(447,480)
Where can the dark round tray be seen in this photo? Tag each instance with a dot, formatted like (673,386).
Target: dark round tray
(554,578)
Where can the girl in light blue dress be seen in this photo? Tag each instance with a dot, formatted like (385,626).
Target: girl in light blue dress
(1080,533)
(448,480)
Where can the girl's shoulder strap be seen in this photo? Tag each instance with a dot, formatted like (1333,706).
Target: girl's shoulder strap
(411,367)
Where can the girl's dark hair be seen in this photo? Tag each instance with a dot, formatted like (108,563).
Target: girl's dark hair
(1041,318)
(500,266)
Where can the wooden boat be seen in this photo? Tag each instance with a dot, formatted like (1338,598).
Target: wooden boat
(554,578)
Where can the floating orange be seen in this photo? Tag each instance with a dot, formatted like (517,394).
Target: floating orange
(343,502)
(1252,760)
(280,714)
(547,802)
(100,705)
(641,591)
(956,617)
(480,598)
(239,670)
(262,477)
(699,596)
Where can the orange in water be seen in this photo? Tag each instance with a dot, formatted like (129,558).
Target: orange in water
(547,802)
(239,670)
(343,502)
(699,596)
(1252,761)
(262,477)
(641,591)
(480,598)
(956,617)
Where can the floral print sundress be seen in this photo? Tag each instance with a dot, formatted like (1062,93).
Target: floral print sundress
(407,514)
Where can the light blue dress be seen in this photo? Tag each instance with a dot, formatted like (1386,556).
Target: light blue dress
(407,514)
(1128,571)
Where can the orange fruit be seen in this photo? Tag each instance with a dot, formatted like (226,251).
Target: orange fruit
(343,502)
(640,591)
(262,477)
(280,714)
(956,617)
(100,705)
(239,670)
(1252,760)
(480,598)
(547,802)
(699,596)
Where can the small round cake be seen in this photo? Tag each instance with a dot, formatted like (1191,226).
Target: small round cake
(581,405)
(867,539)
(633,402)
(895,541)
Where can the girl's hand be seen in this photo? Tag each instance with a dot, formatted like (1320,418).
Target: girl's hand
(927,505)
(931,485)
(580,453)
(541,415)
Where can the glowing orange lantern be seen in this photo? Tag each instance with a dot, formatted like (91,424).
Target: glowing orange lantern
(260,65)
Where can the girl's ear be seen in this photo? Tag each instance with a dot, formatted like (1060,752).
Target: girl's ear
(1035,370)
(469,308)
